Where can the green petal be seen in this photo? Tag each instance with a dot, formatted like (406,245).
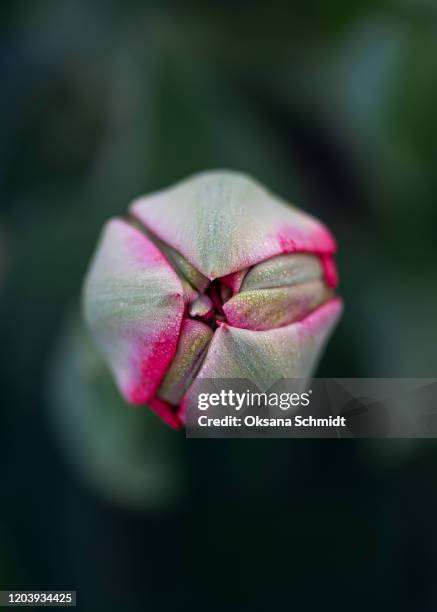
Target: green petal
(283,270)
(262,309)
(193,342)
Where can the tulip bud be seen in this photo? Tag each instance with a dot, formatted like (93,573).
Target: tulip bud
(212,278)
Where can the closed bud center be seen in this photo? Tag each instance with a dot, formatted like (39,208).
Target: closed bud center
(208,307)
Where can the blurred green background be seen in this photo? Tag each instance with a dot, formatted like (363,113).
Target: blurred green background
(333,106)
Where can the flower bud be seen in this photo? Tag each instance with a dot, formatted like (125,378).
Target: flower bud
(212,278)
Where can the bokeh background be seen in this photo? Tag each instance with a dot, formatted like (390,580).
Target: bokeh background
(333,106)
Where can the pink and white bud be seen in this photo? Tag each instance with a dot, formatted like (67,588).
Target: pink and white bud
(213,278)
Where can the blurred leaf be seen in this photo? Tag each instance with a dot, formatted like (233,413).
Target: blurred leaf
(125,453)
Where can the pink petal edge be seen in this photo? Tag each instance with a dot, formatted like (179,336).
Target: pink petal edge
(137,338)
(204,218)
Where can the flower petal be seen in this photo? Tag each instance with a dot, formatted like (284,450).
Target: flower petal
(165,411)
(193,342)
(201,306)
(223,221)
(185,269)
(268,308)
(264,357)
(234,281)
(133,302)
(283,270)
